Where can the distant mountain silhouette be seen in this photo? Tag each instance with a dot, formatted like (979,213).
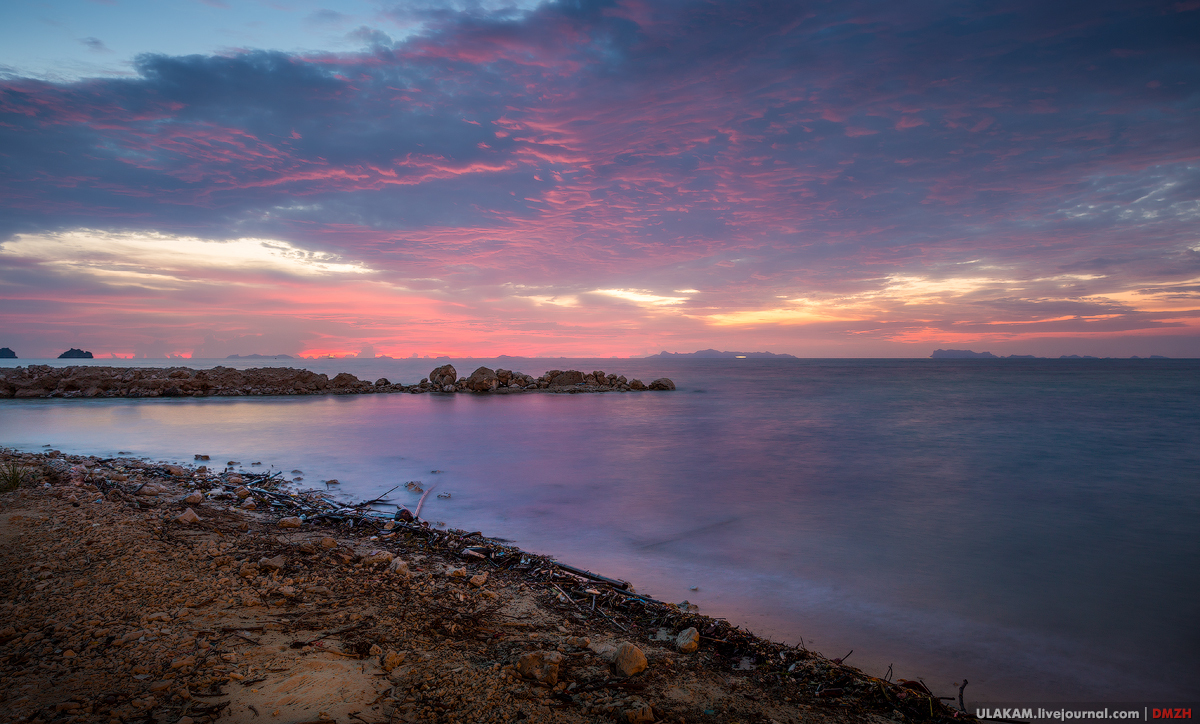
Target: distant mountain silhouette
(961,354)
(715,354)
(259,356)
(74,354)
(6,353)
(968,354)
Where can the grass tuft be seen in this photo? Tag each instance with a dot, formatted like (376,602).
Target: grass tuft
(13,476)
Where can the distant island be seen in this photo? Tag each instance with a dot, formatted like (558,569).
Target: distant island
(969,354)
(715,354)
(6,353)
(74,354)
(259,356)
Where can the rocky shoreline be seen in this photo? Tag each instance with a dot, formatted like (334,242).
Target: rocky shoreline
(150,592)
(88,381)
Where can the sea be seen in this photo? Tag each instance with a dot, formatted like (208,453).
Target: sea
(1030,526)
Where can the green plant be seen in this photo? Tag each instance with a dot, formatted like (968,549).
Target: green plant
(12,476)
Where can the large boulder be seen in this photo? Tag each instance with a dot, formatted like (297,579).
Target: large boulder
(483,380)
(442,376)
(567,379)
(662,383)
(344,380)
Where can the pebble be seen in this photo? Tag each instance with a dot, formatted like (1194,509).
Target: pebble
(328,542)
(400,568)
(249,504)
(378,558)
(274,564)
(195,498)
(188,516)
(391,660)
(242,492)
(688,640)
(540,666)
(630,660)
(478,580)
(292,522)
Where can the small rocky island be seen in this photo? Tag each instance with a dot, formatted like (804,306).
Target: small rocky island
(86,381)
(75,354)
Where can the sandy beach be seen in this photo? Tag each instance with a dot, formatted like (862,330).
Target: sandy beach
(150,592)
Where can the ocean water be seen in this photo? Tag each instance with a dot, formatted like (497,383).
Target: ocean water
(1029,525)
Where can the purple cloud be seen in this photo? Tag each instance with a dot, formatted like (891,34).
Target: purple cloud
(1042,156)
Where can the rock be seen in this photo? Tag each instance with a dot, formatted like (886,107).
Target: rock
(378,558)
(152,489)
(581,642)
(242,492)
(68,654)
(456,572)
(248,570)
(399,567)
(478,580)
(442,376)
(382,382)
(176,470)
(636,384)
(639,713)
(249,504)
(183,661)
(292,522)
(662,383)
(540,666)
(273,564)
(188,516)
(630,660)
(391,660)
(567,379)
(483,380)
(195,498)
(345,380)
(375,650)
(328,542)
(236,480)
(688,640)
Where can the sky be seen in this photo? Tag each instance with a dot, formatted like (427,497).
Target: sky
(592,179)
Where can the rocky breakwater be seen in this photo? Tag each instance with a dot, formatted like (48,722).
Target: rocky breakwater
(87,381)
(484,379)
(80,381)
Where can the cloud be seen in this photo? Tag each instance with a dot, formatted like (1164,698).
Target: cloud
(370,37)
(828,167)
(95,45)
(325,16)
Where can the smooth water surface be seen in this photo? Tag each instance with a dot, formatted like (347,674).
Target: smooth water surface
(1028,525)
